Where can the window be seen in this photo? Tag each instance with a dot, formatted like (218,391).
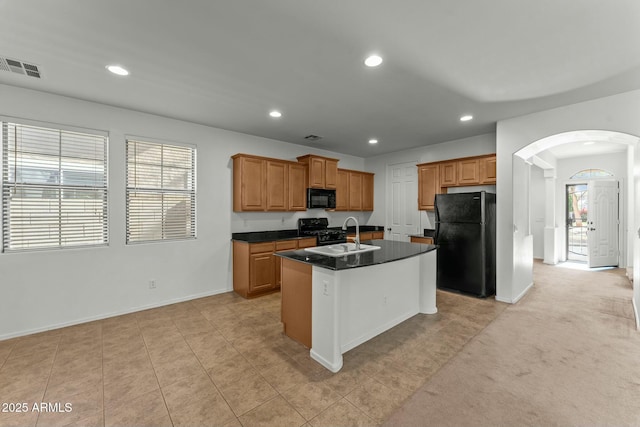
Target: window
(591,173)
(161,192)
(54,188)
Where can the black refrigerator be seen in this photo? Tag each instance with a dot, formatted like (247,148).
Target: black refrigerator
(466,239)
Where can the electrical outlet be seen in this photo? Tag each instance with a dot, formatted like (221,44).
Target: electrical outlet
(326,288)
(152,284)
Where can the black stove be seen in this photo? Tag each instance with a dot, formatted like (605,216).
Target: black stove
(318,227)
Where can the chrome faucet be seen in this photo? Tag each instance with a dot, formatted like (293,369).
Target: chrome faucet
(344,227)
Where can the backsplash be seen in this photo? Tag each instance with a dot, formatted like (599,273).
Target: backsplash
(263,221)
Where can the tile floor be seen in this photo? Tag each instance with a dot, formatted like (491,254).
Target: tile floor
(223,361)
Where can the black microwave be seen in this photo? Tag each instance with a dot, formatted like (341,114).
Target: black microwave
(321,198)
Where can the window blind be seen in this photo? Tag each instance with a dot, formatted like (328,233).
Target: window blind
(54,188)
(161,192)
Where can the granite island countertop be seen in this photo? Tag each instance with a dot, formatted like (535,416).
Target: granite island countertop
(389,251)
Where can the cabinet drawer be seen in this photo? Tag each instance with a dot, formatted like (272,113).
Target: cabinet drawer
(427,240)
(286,245)
(255,248)
(307,243)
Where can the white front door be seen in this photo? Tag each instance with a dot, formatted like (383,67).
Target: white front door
(402,207)
(602,223)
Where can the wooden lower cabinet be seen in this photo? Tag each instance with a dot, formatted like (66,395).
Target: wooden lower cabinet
(296,301)
(427,240)
(366,235)
(256,270)
(253,268)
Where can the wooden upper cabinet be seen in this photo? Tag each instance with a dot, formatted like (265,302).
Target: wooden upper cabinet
(488,170)
(249,190)
(323,171)
(331,173)
(434,178)
(367,192)
(264,184)
(316,173)
(355,191)
(297,187)
(428,185)
(342,190)
(468,172)
(448,174)
(277,186)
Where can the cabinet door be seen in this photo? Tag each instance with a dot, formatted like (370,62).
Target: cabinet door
(488,170)
(297,187)
(251,188)
(307,243)
(448,174)
(261,272)
(366,235)
(283,245)
(428,186)
(424,240)
(277,183)
(342,190)
(316,172)
(468,172)
(367,192)
(330,173)
(377,235)
(355,191)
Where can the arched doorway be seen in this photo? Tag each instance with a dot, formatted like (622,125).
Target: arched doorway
(566,226)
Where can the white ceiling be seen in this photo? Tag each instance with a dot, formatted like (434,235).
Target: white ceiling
(226,63)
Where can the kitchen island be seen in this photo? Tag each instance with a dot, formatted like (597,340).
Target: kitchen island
(333,304)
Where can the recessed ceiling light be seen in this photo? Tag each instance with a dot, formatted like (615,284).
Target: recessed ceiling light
(373,141)
(275,114)
(466,118)
(373,61)
(589,143)
(116,69)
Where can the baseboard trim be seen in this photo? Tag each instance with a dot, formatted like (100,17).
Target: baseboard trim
(635,312)
(518,298)
(113,314)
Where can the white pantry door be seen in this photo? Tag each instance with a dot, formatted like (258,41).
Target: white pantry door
(602,223)
(402,206)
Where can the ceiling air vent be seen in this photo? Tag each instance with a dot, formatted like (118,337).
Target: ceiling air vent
(313,138)
(19,67)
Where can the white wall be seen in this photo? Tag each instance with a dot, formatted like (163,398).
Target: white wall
(47,289)
(474,146)
(538,196)
(615,113)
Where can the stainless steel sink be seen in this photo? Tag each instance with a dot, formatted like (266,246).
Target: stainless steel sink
(341,249)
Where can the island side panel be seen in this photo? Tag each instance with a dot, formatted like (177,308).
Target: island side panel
(376,298)
(296,300)
(428,265)
(325,315)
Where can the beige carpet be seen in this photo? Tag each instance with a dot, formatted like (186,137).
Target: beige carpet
(567,354)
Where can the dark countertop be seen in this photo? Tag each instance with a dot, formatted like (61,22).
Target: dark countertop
(428,232)
(266,236)
(270,236)
(389,251)
(352,229)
